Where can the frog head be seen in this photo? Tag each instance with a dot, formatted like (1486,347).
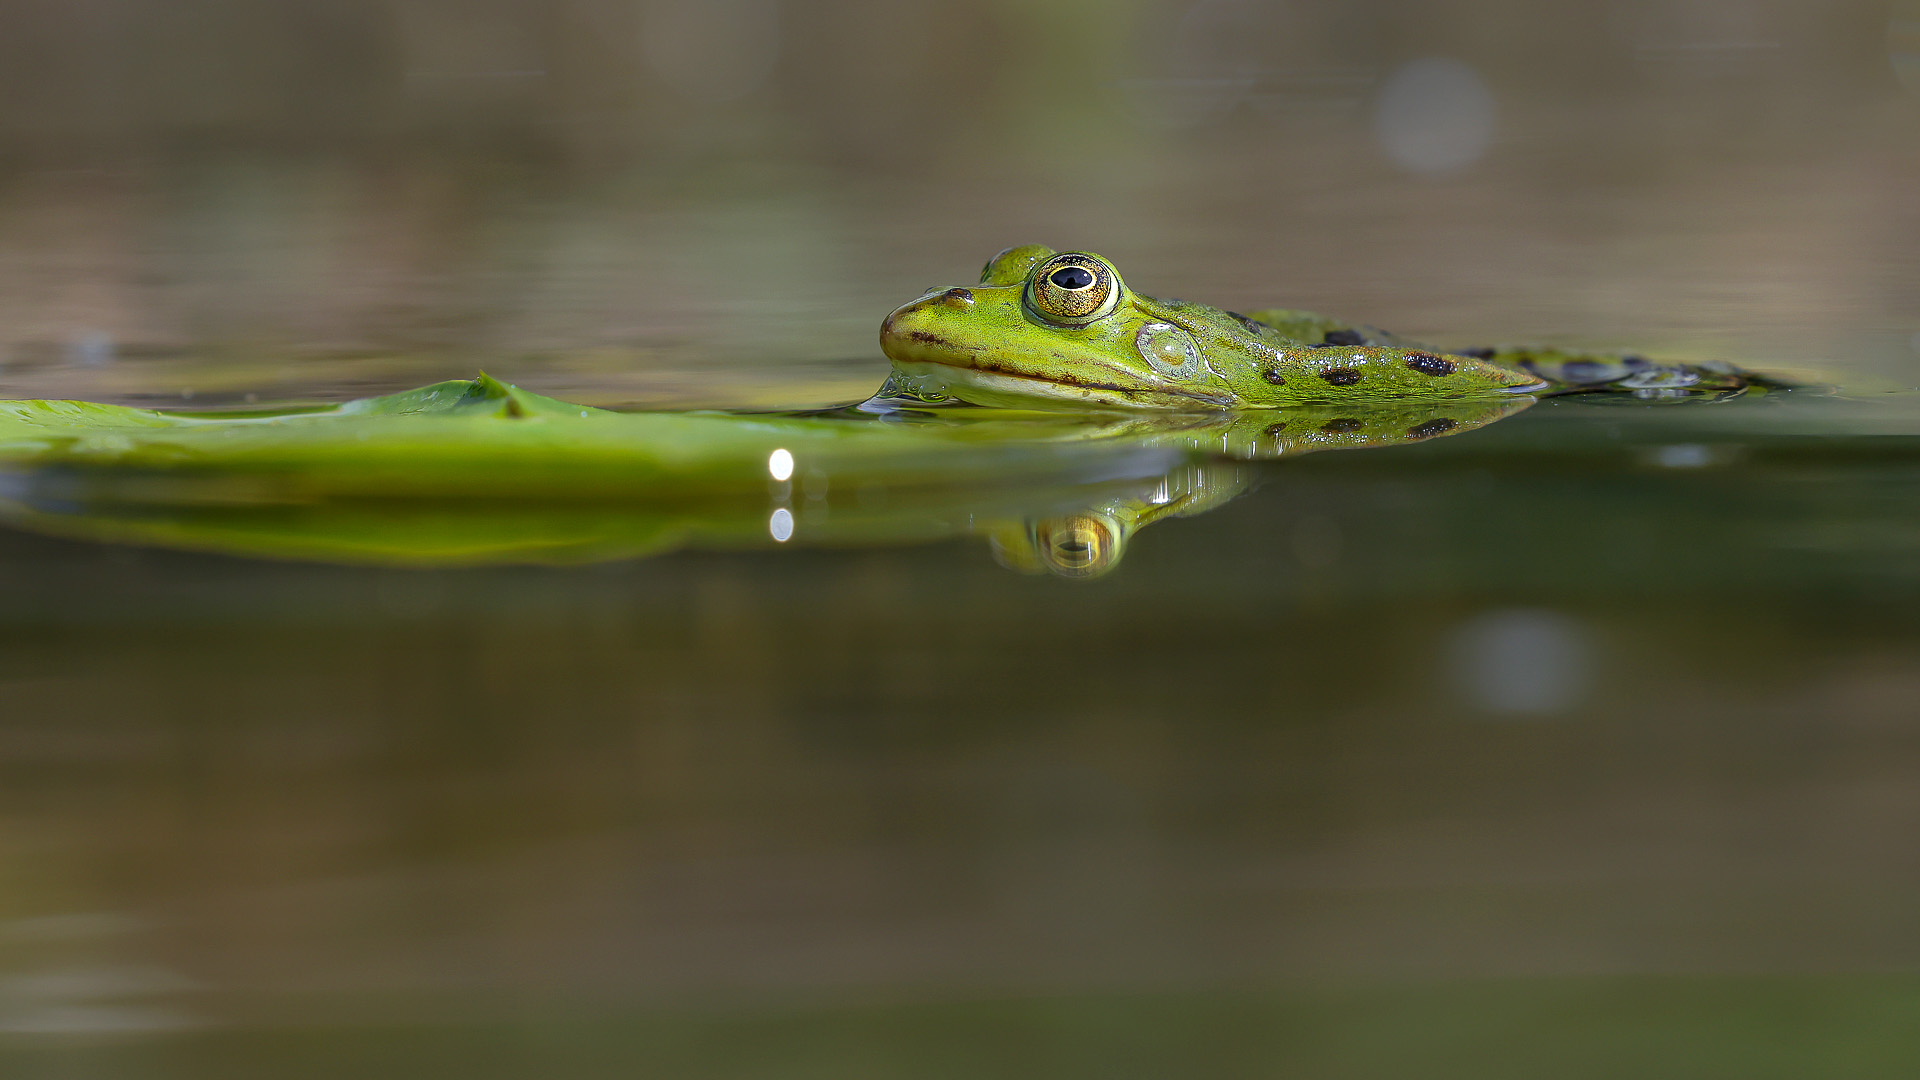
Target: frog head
(1062,327)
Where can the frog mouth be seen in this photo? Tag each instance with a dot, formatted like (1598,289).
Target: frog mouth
(986,376)
(910,338)
(961,364)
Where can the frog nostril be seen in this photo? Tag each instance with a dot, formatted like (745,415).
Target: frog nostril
(958,296)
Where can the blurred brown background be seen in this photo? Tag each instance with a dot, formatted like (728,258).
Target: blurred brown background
(652,201)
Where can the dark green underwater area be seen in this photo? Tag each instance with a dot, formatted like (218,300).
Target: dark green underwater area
(1574,742)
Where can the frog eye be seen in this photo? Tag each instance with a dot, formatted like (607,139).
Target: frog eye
(1074,288)
(1071,278)
(1078,545)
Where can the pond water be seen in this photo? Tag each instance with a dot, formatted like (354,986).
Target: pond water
(1577,741)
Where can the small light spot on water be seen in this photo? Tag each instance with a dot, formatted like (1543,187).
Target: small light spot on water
(779,464)
(1434,115)
(93,348)
(1521,661)
(780,525)
(1683,456)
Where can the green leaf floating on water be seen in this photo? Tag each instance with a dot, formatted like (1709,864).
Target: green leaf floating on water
(477,471)
(459,438)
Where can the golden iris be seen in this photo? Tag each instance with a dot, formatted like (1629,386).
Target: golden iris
(1079,545)
(1073,287)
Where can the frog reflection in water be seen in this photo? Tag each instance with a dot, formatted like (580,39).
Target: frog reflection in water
(1062,328)
(1127,411)
(1089,539)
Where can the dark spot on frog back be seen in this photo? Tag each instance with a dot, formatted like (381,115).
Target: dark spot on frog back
(1429,364)
(1341,376)
(1439,425)
(1586,371)
(1274,376)
(1254,326)
(1344,337)
(1343,425)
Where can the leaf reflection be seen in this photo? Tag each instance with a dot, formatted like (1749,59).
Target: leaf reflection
(477,472)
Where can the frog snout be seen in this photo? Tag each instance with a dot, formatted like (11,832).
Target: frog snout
(950,298)
(954,297)
(942,325)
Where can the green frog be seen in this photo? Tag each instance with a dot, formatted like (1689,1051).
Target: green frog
(1062,328)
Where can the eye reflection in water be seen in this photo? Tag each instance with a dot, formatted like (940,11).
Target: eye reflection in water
(1080,545)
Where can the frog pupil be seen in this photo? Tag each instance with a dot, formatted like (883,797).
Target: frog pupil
(1071,278)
